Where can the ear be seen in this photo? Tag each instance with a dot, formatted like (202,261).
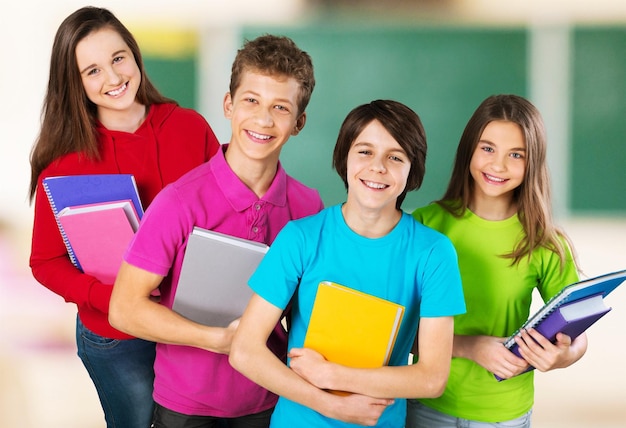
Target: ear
(228,106)
(300,122)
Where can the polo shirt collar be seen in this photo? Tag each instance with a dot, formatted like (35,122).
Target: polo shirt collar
(238,194)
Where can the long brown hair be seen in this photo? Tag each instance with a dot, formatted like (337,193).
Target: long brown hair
(68,116)
(532,196)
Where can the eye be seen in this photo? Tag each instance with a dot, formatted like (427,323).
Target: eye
(487,149)
(93,71)
(396,158)
(517,155)
(249,100)
(365,152)
(118,59)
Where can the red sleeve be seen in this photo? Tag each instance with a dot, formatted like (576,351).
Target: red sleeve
(51,265)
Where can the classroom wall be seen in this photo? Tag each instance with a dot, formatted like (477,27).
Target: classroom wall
(573,74)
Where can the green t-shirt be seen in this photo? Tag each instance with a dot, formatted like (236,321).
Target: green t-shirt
(498,298)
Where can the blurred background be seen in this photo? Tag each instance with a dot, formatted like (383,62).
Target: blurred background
(440,57)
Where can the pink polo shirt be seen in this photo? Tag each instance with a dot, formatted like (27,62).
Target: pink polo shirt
(189,380)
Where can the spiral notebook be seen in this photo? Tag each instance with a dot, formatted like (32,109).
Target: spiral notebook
(557,315)
(73,190)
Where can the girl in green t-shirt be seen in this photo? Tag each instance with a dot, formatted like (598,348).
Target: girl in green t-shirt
(497,212)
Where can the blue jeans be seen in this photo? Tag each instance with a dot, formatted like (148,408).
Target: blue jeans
(123,373)
(418,415)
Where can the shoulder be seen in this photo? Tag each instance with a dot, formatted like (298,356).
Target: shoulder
(172,114)
(304,199)
(424,235)
(295,187)
(75,163)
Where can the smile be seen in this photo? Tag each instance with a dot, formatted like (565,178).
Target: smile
(259,136)
(373,185)
(116,92)
(494,179)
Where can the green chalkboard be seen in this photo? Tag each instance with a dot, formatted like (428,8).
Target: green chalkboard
(442,73)
(598,172)
(174,77)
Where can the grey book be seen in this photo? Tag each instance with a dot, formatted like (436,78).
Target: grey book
(213,285)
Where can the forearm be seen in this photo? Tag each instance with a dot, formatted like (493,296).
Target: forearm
(414,381)
(152,321)
(134,312)
(261,366)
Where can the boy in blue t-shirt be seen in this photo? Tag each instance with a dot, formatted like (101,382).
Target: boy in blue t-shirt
(368,244)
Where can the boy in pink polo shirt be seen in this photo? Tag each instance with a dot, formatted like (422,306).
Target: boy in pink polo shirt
(242,191)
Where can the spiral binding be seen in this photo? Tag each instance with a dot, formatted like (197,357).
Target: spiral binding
(66,241)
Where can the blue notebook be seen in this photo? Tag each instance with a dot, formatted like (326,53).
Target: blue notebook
(71,190)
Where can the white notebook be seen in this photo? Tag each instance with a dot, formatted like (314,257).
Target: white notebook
(213,286)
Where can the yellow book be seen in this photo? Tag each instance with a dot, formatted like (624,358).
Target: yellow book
(353,328)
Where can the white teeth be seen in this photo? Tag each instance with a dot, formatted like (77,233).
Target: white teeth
(492,178)
(259,136)
(117,91)
(374,185)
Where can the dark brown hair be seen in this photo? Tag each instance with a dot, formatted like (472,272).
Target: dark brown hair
(68,116)
(401,122)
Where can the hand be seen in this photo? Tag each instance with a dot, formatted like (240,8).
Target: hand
(358,409)
(490,353)
(227,335)
(543,354)
(311,366)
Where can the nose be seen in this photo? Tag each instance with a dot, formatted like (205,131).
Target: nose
(113,77)
(499,163)
(378,165)
(264,118)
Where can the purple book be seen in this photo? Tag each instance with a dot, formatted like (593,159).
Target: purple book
(571,319)
(571,311)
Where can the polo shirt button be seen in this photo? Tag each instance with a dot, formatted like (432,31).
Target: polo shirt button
(255,229)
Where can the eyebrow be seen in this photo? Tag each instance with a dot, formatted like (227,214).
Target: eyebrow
(514,149)
(258,95)
(113,55)
(368,144)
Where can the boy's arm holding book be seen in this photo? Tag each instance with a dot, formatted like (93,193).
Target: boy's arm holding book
(134,311)
(251,356)
(425,379)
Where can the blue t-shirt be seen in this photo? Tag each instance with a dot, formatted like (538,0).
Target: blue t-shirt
(413,265)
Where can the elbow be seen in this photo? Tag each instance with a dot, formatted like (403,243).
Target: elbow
(436,386)
(117,317)
(438,389)
(237,357)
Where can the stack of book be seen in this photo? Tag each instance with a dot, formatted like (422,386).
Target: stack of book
(97,216)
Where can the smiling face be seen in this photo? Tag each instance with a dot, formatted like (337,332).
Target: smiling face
(377,170)
(498,163)
(264,114)
(108,71)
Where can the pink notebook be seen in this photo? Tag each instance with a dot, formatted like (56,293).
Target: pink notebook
(99,234)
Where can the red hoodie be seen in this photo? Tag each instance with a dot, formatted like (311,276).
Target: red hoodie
(171,141)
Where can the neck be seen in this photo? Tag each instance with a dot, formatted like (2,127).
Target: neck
(128,120)
(370,223)
(256,174)
(494,209)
